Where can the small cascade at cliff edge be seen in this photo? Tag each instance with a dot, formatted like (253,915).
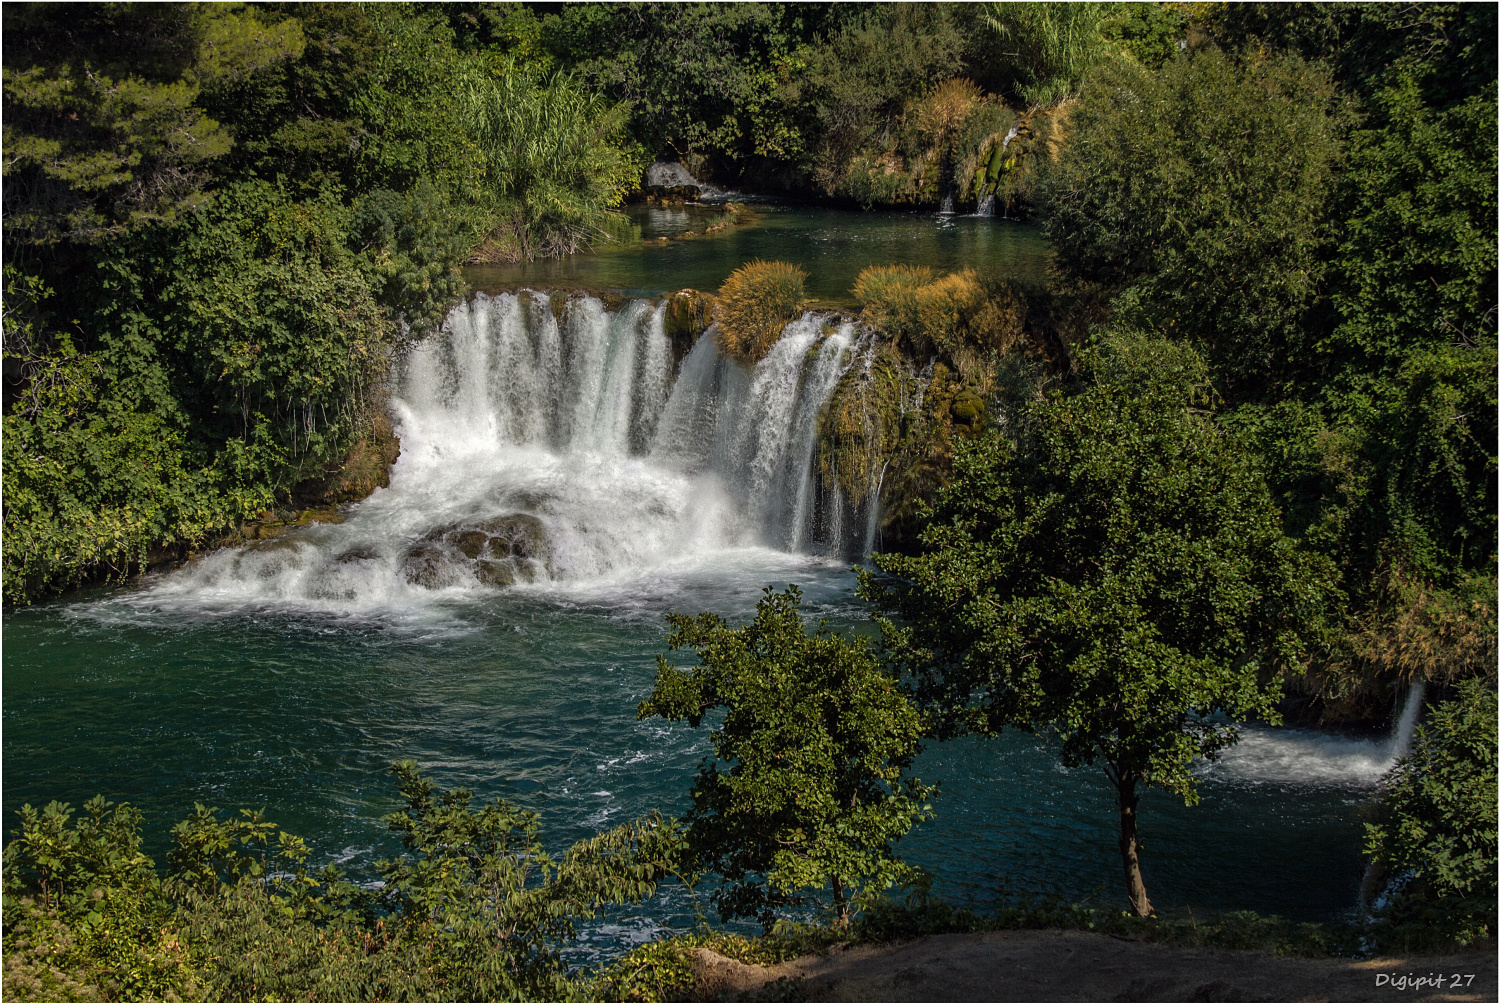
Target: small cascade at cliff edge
(1305,757)
(560,442)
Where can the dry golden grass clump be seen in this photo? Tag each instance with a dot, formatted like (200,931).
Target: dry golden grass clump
(754,304)
(942,112)
(960,316)
(880,286)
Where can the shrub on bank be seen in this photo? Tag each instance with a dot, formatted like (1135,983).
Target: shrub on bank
(472,910)
(961,315)
(1436,842)
(755,303)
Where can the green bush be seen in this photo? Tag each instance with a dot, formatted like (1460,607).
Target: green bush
(1436,843)
(474,909)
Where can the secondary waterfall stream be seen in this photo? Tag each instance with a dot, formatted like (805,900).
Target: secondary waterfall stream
(552,442)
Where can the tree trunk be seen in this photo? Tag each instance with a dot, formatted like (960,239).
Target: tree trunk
(1130,845)
(840,905)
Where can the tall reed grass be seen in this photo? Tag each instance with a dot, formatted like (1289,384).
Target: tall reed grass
(555,161)
(1050,46)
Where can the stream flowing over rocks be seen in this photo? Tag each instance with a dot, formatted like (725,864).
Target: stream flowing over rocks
(556,441)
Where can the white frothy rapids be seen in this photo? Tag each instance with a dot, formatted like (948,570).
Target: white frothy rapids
(1304,757)
(544,447)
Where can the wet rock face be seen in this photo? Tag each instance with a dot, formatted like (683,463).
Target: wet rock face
(499,552)
(669,174)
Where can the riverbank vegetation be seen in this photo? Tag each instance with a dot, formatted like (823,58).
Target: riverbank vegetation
(221,223)
(1237,460)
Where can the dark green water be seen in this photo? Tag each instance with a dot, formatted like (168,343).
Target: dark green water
(831,245)
(290,675)
(532,696)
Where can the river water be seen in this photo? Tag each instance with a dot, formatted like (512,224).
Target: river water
(496,612)
(831,245)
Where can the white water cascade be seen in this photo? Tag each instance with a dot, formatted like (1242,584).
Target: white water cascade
(552,442)
(1313,758)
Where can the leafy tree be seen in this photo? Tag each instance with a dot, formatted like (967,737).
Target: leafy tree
(1112,570)
(805,789)
(1199,190)
(1437,839)
(1448,46)
(863,74)
(701,79)
(103,130)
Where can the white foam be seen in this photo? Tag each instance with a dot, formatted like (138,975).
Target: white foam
(573,428)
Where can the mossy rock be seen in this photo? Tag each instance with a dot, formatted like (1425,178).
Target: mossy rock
(967,408)
(498,552)
(364,469)
(689,313)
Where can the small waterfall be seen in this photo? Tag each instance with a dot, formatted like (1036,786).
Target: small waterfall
(1375,886)
(872,514)
(547,445)
(947,207)
(1305,757)
(986,206)
(1406,722)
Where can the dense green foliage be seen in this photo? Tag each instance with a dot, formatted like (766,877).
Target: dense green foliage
(1437,841)
(1112,571)
(1314,207)
(474,909)
(804,793)
(221,222)
(1199,187)
(1245,448)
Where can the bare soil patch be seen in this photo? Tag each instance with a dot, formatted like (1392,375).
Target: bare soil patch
(1060,966)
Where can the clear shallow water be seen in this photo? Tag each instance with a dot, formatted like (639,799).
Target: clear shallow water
(566,456)
(831,245)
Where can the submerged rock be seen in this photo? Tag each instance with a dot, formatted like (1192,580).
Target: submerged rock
(498,552)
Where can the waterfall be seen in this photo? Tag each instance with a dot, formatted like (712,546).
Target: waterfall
(547,442)
(1406,722)
(1308,758)
(986,205)
(1375,886)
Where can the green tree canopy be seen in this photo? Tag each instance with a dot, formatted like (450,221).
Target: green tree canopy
(1199,190)
(1110,569)
(805,789)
